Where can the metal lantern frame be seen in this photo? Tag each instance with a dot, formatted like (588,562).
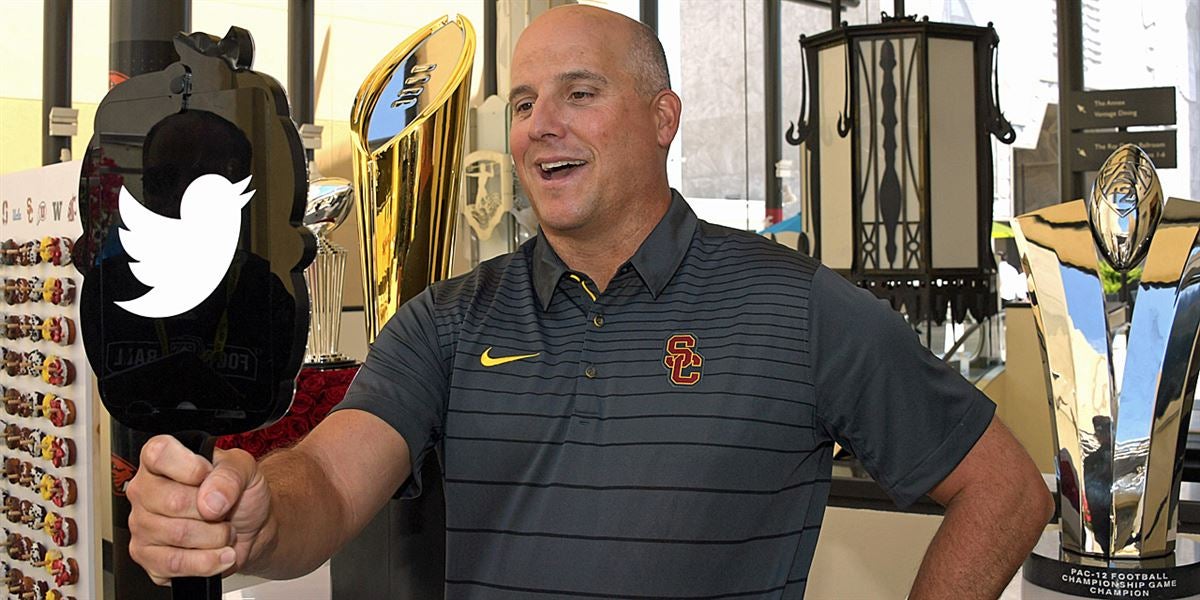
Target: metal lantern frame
(912,278)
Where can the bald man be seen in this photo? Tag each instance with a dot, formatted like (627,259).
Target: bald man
(634,404)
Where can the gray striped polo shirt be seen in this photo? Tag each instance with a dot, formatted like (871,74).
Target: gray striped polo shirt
(669,437)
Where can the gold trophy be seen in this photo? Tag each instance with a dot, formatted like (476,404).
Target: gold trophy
(408,128)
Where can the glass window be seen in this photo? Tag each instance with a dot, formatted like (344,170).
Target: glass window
(1147,44)
(267,22)
(796,19)
(21,87)
(715,50)
(352,36)
(865,12)
(629,8)
(1028,76)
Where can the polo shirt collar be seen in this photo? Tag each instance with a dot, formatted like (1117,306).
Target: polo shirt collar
(655,261)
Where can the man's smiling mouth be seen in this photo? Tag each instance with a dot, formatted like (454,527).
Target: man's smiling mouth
(559,168)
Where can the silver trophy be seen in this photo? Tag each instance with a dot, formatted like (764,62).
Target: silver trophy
(329,202)
(1115,286)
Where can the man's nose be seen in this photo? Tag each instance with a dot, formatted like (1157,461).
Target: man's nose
(546,120)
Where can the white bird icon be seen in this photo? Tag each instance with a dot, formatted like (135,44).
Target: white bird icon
(182,259)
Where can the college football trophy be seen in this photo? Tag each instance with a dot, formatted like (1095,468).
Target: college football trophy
(408,125)
(1115,285)
(408,129)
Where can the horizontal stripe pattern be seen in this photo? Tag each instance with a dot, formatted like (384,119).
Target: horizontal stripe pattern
(564,593)
(543,461)
(586,471)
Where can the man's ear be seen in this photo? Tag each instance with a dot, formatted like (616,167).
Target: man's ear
(667,108)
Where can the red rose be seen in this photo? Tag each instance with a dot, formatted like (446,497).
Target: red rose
(309,382)
(302,403)
(332,396)
(253,444)
(295,427)
(316,416)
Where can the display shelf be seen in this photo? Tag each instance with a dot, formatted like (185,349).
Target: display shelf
(50,446)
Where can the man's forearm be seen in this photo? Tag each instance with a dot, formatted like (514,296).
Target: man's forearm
(325,490)
(982,542)
(306,524)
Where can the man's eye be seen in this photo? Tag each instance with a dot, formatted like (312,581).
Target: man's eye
(522,107)
(581,95)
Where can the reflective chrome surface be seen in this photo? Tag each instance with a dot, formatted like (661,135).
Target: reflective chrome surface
(408,127)
(1120,347)
(1125,206)
(329,202)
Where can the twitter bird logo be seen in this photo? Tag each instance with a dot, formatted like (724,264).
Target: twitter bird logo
(182,259)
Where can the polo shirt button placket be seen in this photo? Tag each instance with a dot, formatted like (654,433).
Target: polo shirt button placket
(587,406)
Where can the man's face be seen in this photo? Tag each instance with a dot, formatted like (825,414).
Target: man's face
(583,139)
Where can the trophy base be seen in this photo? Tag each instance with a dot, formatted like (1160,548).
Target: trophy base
(328,363)
(1176,575)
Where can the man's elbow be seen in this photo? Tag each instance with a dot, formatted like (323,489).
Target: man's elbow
(1045,503)
(1034,499)
(1026,485)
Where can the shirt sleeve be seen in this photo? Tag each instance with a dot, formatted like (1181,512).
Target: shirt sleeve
(405,381)
(904,413)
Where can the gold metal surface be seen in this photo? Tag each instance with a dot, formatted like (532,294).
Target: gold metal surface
(408,126)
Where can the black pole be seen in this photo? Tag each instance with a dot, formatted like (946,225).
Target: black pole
(56,73)
(141,33)
(489,49)
(648,13)
(898,8)
(835,14)
(772,71)
(300,63)
(1070,81)
(140,41)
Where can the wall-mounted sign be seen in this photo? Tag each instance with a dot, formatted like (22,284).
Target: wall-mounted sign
(1104,109)
(1089,150)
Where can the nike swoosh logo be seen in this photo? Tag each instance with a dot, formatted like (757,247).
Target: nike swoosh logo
(486,359)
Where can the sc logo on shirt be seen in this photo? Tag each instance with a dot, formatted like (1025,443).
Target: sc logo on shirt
(682,358)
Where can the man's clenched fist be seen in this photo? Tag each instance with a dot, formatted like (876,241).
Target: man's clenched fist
(191,517)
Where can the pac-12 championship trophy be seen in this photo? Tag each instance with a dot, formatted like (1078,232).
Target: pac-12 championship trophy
(1115,286)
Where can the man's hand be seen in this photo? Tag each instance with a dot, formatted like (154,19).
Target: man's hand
(191,517)
(280,518)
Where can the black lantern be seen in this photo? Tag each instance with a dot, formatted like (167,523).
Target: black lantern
(894,142)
